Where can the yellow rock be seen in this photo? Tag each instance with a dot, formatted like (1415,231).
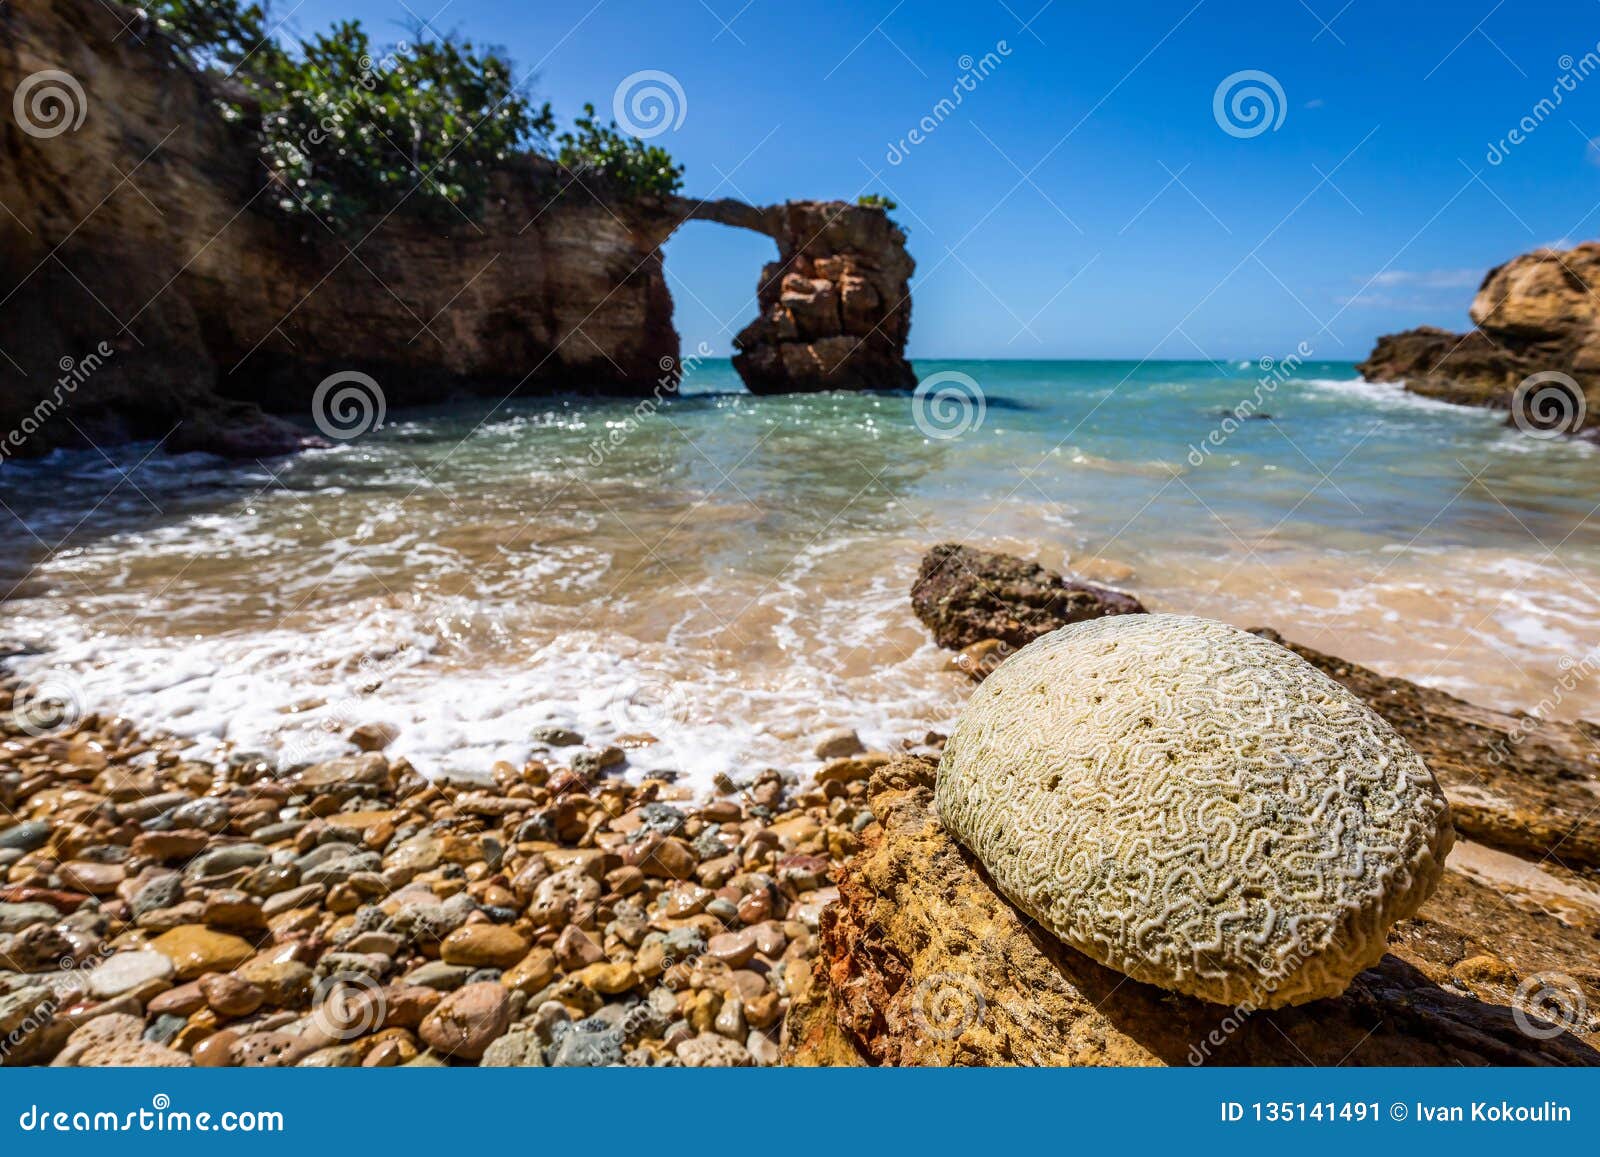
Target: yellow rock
(195,950)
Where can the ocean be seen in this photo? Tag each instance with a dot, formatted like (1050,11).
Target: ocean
(722,578)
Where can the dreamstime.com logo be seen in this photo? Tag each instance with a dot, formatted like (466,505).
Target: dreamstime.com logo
(1548,404)
(1249,102)
(160,1117)
(649,103)
(649,700)
(50,103)
(347,405)
(1548,1004)
(947,405)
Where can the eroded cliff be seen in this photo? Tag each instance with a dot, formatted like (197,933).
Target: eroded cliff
(145,292)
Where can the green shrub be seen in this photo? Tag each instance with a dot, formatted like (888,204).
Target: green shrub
(352,131)
(620,163)
(876,201)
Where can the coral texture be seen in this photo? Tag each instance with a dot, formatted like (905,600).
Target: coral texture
(1194,806)
(923,963)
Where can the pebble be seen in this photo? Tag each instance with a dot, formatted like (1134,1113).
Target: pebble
(708,1050)
(128,972)
(468,1020)
(482,945)
(195,950)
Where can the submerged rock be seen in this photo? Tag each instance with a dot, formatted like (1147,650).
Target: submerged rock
(1196,807)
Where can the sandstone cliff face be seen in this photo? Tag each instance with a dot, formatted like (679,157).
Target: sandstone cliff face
(144,228)
(1536,313)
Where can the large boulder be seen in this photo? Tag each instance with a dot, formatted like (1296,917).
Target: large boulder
(1535,314)
(1194,806)
(966,596)
(923,962)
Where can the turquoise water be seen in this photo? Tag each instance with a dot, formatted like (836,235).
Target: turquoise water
(728,574)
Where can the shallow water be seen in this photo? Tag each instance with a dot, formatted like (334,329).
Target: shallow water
(730,574)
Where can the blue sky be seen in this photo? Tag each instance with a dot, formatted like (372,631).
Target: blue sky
(1083,201)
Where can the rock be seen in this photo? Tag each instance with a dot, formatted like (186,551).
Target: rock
(95,879)
(556,737)
(128,972)
(835,307)
(588,1043)
(608,979)
(837,744)
(924,963)
(195,949)
(1533,314)
(230,995)
(483,945)
(161,892)
(119,1027)
(733,948)
(533,972)
(966,596)
(207,814)
(283,983)
(25,837)
(468,1020)
(16,917)
(575,950)
(374,736)
(515,1050)
(132,1054)
(1143,786)
(708,1050)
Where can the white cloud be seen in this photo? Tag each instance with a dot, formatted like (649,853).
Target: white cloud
(1430,278)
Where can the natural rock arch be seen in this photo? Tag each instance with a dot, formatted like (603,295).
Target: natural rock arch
(835,308)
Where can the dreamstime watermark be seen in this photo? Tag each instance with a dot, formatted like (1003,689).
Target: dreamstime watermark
(49,103)
(74,372)
(343,713)
(1274,372)
(347,405)
(1200,1052)
(44,1012)
(649,700)
(335,113)
(674,372)
(947,405)
(160,1117)
(973,73)
(946,1004)
(1548,1004)
(1548,404)
(648,103)
(1573,672)
(1573,73)
(1248,103)
(48,704)
(349,1005)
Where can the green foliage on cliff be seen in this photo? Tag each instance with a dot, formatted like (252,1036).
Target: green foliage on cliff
(621,163)
(877,201)
(352,131)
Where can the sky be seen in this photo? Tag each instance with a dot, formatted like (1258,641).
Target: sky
(1089,197)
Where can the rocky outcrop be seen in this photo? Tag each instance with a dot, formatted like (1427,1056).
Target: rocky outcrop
(1535,314)
(922,963)
(835,306)
(965,596)
(145,291)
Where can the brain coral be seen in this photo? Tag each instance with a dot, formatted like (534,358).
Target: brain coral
(1194,806)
